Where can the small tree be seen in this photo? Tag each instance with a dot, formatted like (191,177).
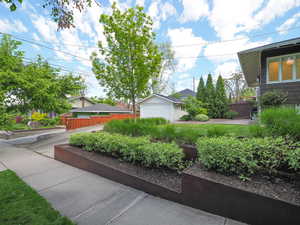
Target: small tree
(194,107)
(221,102)
(131,58)
(210,97)
(201,90)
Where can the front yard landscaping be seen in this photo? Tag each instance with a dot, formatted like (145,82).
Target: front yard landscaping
(253,168)
(20,204)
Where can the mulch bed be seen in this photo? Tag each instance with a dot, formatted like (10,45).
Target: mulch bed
(276,188)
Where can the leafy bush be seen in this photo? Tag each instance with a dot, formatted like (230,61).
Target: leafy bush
(50,121)
(227,155)
(201,117)
(132,127)
(293,158)
(194,107)
(282,121)
(136,150)
(216,132)
(257,130)
(185,118)
(244,157)
(230,114)
(273,98)
(36,116)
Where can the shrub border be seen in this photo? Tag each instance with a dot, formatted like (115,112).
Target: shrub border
(196,192)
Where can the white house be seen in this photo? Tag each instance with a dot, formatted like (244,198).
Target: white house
(158,105)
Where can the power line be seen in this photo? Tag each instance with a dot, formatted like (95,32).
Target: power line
(44,46)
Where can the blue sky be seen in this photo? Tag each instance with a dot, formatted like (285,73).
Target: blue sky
(205,34)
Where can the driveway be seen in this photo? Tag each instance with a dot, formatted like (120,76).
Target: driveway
(89,199)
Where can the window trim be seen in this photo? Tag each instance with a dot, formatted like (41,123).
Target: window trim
(294,79)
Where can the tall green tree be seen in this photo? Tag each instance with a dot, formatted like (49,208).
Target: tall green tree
(201,90)
(34,86)
(221,102)
(210,96)
(131,58)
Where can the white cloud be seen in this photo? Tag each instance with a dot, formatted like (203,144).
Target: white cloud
(45,27)
(12,26)
(282,29)
(140,2)
(186,55)
(230,17)
(226,69)
(160,11)
(224,51)
(193,10)
(274,9)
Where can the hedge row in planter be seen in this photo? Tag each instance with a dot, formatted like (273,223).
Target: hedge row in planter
(136,150)
(244,157)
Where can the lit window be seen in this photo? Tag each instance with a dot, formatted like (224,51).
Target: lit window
(287,68)
(273,69)
(298,67)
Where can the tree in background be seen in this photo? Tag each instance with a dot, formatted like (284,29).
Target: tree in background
(107,101)
(210,97)
(237,88)
(62,11)
(221,102)
(168,64)
(201,90)
(131,58)
(34,86)
(194,107)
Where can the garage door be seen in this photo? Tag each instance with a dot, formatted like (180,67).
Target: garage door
(155,110)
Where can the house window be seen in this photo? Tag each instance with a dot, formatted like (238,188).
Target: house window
(273,71)
(283,68)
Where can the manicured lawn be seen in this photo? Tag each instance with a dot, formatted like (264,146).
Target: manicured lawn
(21,205)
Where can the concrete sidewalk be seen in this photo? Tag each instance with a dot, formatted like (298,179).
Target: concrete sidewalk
(89,199)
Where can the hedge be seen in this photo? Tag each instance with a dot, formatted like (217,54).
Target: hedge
(245,157)
(135,150)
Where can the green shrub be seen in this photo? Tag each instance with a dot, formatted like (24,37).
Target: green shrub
(136,150)
(194,107)
(216,131)
(293,158)
(185,118)
(283,121)
(201,117)
(230,114)
(49,121)
(227,155)
(244,157)
(273,98)
(257,130)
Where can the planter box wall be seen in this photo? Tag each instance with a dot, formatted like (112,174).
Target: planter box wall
(196,192)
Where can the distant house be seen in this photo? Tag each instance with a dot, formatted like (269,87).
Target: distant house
(274,67)
(184,94)
(80,102)
(158,105)
(98,109)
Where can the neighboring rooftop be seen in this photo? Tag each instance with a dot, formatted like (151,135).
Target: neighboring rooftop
(187,92)
(250,59)
(72,98)
(168,98)
(101,108)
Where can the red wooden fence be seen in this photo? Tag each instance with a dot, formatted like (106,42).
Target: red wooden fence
(74,123)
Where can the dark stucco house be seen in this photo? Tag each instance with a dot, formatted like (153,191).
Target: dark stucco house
(274,67)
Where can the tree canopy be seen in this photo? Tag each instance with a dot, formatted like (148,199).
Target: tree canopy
(201,90)
(131,59)
(221,102)
(35,85)
(62,11)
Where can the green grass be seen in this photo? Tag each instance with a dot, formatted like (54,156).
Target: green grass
(21,205)
(230,129)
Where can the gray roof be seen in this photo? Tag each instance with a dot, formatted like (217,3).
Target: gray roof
(168,98)
(187,92)
(101,108)
(72,98)
(250,59)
